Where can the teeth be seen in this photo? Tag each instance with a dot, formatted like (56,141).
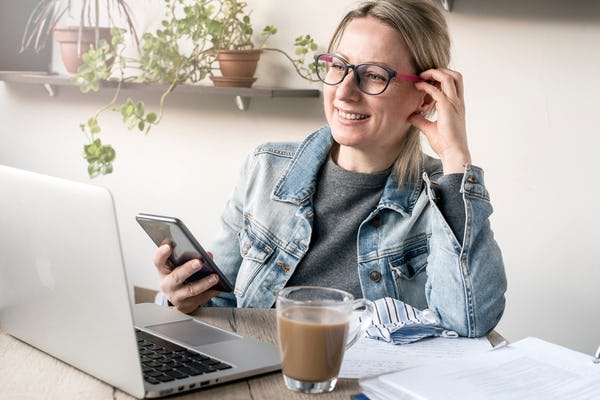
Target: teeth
(351,116)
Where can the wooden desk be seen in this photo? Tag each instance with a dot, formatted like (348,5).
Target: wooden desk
(27,373)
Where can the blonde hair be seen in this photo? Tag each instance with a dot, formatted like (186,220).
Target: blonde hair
(425,32)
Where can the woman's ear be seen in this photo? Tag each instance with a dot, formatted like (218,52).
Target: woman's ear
(426,104)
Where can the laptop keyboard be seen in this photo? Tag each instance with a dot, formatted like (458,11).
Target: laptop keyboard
(164,361)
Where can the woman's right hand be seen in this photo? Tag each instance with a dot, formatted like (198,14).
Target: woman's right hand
(186,297)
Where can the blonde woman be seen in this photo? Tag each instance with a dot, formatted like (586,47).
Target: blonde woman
(357,205)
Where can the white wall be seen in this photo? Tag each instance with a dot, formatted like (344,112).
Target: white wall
(531,74)
(532,86)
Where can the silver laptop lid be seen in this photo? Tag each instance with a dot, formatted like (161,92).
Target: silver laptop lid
(55,294)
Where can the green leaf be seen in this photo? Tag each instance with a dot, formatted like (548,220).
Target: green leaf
(151,118)
(111,153)
(139,109)
(89,150)
(93,171)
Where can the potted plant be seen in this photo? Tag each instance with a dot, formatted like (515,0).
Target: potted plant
(237,56)
(75,39)
(237,53)
(184,50)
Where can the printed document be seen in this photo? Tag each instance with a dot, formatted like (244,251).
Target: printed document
(528,369)
(369,357)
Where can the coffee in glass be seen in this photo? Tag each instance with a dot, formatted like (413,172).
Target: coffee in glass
(313,325)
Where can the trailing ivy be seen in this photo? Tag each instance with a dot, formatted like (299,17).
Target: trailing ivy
(182,50)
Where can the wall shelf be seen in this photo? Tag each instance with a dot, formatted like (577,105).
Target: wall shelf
(241,96)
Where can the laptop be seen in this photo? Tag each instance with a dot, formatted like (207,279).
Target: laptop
(63,290)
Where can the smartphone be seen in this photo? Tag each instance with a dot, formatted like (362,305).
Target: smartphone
(172,231)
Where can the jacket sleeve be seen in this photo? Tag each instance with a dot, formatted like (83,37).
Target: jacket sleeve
(466,284)
(225,247)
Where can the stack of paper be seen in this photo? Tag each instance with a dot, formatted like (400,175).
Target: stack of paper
(528,369)
(369,357)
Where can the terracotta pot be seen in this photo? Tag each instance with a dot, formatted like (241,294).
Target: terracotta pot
(237,67)
(66,36)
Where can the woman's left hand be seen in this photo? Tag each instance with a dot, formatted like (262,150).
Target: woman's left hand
(447,136)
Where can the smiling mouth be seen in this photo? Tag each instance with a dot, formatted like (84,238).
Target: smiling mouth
(352,116)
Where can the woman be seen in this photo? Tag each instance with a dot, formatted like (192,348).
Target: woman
(357,205)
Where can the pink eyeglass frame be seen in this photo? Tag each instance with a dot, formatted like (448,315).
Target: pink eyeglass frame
(391,72)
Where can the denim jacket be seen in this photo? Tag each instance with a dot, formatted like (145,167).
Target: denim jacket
(406,250)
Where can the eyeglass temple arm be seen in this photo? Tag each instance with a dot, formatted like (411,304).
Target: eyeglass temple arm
(408,77)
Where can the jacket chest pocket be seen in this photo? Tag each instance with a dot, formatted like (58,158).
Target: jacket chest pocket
(409,267)
(411,259)
(255,252)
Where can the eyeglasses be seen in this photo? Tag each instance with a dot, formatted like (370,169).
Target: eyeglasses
(370,78)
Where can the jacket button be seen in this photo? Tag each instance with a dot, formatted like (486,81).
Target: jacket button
(375,276)
(375,222)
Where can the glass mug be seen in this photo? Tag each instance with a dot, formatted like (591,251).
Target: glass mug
(313,329)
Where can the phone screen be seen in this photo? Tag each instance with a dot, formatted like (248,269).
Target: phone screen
(169,230)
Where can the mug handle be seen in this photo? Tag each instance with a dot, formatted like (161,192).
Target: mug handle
(366,316)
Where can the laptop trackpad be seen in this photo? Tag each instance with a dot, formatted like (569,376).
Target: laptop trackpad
(192,332)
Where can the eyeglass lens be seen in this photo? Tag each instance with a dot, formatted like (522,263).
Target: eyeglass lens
(371,78)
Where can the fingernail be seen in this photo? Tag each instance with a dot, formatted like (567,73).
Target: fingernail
(195,264)
(213,279)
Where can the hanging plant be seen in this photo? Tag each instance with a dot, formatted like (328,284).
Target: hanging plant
(183,50)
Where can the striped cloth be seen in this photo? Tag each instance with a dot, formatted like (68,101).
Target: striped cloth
(399,323)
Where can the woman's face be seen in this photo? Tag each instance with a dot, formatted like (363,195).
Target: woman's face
(372,124)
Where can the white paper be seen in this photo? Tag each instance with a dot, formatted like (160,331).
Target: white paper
(369,357)
(529,369)
(377,390)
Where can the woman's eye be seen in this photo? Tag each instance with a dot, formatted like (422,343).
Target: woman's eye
(338,66)
(372,76)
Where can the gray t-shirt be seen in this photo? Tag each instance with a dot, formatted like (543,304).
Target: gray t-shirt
(342,201)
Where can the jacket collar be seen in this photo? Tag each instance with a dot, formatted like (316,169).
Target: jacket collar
(401,199)
(299,179)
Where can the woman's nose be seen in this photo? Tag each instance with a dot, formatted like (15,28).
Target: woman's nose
(347,88)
